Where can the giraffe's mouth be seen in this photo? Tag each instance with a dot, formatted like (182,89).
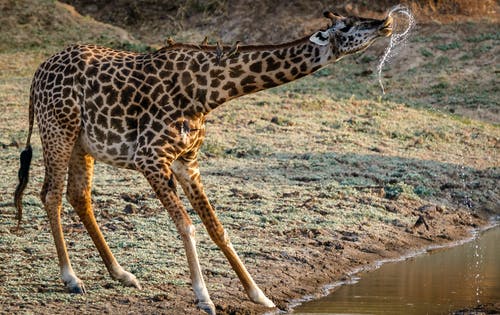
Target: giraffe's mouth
(386,28)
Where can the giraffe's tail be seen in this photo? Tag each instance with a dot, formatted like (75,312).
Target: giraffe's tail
(23,173)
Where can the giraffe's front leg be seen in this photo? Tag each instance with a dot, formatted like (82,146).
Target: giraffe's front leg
(164,185)
(187,173)
(203,300)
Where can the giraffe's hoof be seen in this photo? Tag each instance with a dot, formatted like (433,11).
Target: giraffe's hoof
(266,302)
(207,307)
(257,296)
(129,280)
(76,287)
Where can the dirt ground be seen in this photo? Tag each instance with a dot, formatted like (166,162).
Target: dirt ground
(311,180)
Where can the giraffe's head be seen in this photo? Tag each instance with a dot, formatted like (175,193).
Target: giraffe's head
(348,35)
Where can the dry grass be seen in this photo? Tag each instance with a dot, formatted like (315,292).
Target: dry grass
(445,11)
(435,7)
(453,7)
(50,25)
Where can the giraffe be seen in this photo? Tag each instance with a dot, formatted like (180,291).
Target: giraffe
(146,112)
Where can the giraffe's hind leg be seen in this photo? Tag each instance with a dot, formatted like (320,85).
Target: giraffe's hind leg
(81,168)
(56,158)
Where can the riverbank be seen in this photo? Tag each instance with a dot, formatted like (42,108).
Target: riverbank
(288,265)
(362,258)
(489,308)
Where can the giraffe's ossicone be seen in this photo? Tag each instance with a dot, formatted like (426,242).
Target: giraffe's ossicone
(147,112)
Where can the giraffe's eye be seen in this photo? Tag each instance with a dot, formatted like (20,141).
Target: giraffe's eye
(345,29)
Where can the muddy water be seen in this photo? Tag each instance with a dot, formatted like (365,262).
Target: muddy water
(434,283)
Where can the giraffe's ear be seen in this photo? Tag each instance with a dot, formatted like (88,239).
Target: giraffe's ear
(321,38)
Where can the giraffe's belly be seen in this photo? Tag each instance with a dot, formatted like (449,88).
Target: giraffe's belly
(108,148)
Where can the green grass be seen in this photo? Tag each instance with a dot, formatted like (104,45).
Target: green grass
(484,37)
(426,53)
(136,47)
(449,46)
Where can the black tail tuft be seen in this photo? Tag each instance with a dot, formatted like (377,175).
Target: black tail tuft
(23,175)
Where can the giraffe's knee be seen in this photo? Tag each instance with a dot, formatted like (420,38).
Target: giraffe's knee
(220,237)
(52,200)
(50,194)
(188,231)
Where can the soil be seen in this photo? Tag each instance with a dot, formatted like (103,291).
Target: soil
(306,197)
(482,309)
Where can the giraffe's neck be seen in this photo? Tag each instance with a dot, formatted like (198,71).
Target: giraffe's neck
(258,68)
(209,78)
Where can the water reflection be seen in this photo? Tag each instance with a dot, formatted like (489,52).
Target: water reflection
(435,283)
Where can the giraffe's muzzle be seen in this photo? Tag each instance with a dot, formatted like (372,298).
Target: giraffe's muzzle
(386,27)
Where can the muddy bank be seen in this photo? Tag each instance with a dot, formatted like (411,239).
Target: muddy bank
(353,251)
(300,262)
(490,308)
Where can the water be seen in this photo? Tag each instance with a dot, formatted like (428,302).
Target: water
(434,283)
(396,39)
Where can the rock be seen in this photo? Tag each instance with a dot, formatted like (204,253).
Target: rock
(391,208)
(349,236)
(130,209)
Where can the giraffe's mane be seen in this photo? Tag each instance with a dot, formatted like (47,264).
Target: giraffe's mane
(242,48)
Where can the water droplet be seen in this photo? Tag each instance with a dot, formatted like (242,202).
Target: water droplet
(477,263)
(396,38)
